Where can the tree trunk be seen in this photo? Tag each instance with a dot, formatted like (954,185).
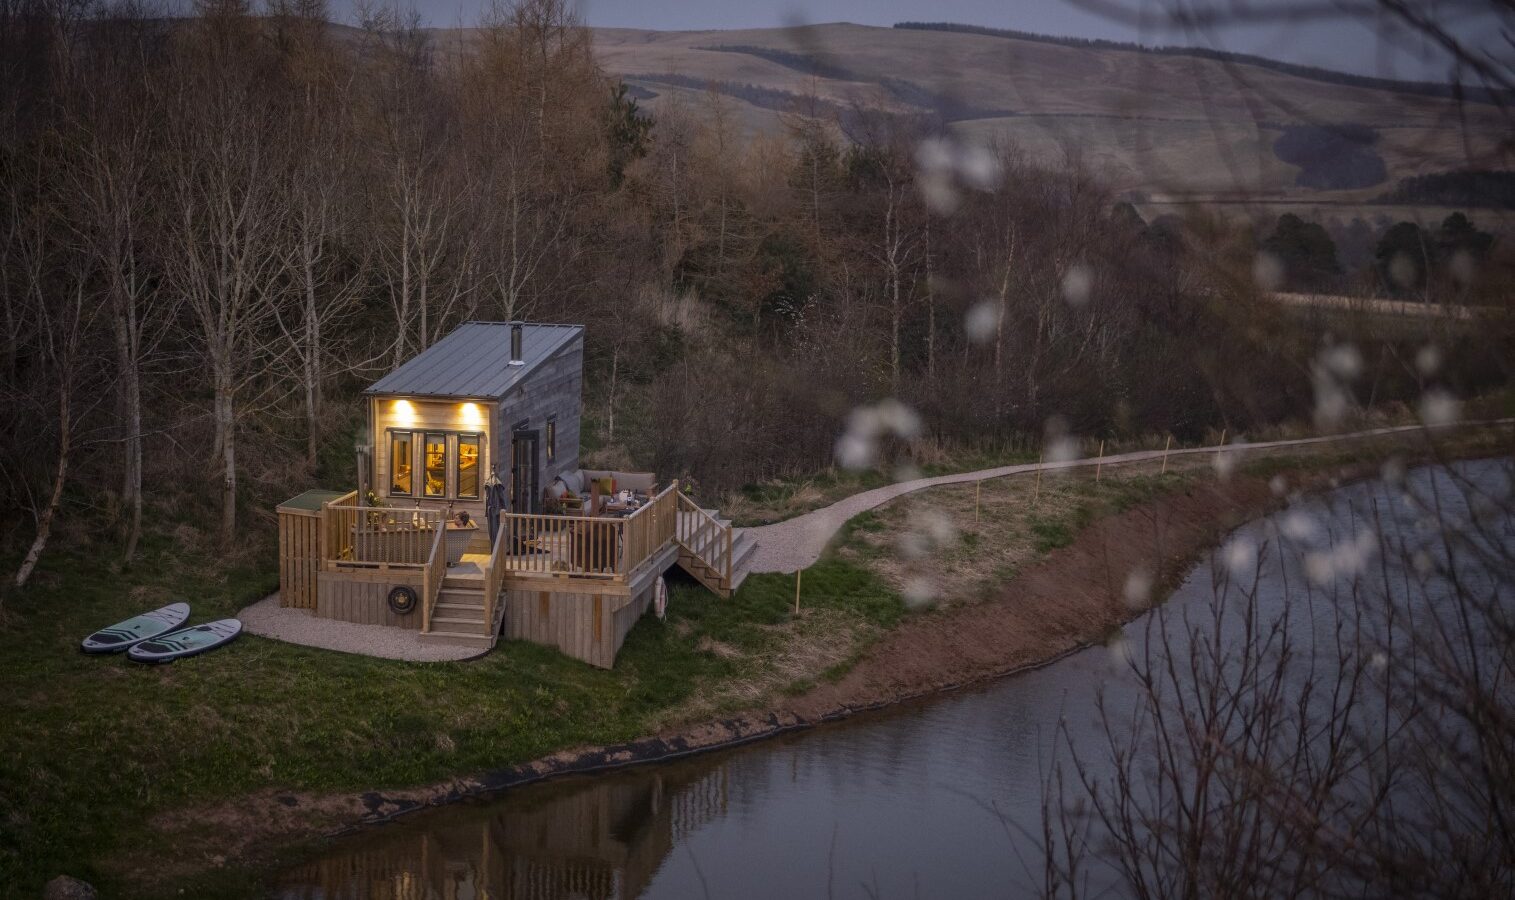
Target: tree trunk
(55,498)
(131,416)
(615,360)
(311,362)
(227,443)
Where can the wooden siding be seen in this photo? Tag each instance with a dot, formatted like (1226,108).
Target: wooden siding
(363,597)
(299,557)
(432,415)
(555,388)
(586,626)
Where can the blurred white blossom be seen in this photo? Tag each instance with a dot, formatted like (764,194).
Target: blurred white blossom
(1059,445)
(1330,374)
(1299,526)
(981,321)
(1239,555)
(858,446)
(1267,272)
(1428,359)
(919,591)
(1278,485)
(1439,408)
(1464,268)
(1225,462)
(1402,270)
(1346,559)
(1078,284)
(1138,590)
(944,164)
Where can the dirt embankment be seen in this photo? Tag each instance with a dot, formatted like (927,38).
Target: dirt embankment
(1070,598)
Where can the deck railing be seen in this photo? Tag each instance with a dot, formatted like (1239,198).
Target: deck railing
(545,544)
(494,575)
(379,536)
(705,536)
(432,573)
(650,528)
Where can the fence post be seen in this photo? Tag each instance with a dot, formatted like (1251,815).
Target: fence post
(1099,462)
(797,574)
(1038,491)
(977,488)
(1166,445)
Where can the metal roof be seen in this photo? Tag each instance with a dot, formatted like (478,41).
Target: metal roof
(474,361)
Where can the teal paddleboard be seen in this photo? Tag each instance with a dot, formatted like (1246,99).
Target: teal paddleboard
(186,642)
(122,635)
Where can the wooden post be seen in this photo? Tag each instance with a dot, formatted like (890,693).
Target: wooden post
(977,486)
(1166,445)
(1099,463)
(797,574)
(1222,448)
(1037,492)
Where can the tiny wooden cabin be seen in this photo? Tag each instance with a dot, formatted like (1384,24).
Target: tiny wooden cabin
(498,399)
(486,422)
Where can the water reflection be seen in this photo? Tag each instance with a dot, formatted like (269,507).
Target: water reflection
(597,839)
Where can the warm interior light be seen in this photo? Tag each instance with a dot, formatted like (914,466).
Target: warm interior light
(472,417)
(405,413)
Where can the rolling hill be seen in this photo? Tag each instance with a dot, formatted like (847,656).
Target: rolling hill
(1161,124)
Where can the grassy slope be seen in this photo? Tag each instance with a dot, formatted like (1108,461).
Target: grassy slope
(93,746)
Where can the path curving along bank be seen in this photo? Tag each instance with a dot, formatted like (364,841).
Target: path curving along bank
(798,542)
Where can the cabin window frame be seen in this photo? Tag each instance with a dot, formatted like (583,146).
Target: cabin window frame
(426,442)
(410,443)
(457,465)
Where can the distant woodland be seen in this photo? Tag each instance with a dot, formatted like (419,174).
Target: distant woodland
(215,229)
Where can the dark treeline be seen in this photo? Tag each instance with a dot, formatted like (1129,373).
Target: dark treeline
(214,229)
(1486,189)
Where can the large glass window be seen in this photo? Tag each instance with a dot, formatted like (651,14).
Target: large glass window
(468,466)
(436,465)
(400,480)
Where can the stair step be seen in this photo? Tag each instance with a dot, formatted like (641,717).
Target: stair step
(737,578)
(482,641)
(459,610)
(461,595)
(459,625)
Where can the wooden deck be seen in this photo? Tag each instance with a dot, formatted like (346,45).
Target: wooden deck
(577,583)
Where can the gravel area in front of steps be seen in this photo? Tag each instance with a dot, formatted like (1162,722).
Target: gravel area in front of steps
(298,626)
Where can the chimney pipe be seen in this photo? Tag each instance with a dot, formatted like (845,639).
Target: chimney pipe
(515,344)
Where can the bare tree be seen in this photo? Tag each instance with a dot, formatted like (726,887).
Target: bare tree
(225,220)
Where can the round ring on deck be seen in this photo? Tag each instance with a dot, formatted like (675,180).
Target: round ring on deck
(402,600)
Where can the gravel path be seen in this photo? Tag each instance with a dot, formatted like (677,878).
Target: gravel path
(797,543)
(299,626)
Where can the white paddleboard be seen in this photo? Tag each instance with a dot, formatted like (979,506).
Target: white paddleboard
(122,635)
(186,642)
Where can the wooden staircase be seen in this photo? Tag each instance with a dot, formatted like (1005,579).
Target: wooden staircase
(458,617)
(717,555)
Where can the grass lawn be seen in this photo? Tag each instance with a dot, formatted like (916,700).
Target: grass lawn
(93,747)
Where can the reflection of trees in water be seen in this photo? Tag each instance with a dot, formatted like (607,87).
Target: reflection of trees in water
(600,838)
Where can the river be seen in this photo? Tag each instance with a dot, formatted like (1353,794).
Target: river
(940,798)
